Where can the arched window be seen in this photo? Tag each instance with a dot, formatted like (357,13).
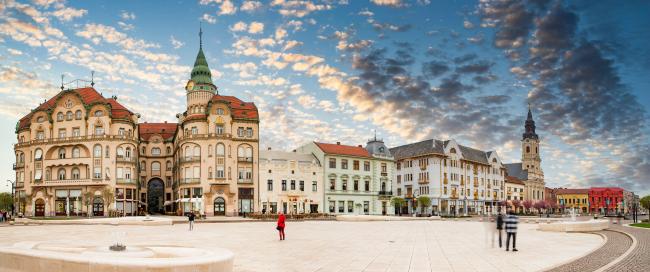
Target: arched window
(528,149)
(245,152)
(536,150)
(75,173)
(120,152)
(21,157)
(128,152)
(197,151)
(97,151)
(59,116)
(219,111)
(68,115)
(155,151)
(76,153)
(155,166)
(99,113)
(169,150)
(188,152)
(169,165)
(77,114)
(209,172)
(38,154)
(453,150)
(61,153)
(107,152)
(61,174)
(220,150)
(143,166)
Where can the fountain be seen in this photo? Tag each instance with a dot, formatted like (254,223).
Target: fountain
(58,256)
(572,225)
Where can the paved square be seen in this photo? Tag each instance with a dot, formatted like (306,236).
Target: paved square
(344,246)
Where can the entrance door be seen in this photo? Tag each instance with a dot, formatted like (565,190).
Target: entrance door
(39,209)
(98,206)
(155,193)
(219,206)
(383,208)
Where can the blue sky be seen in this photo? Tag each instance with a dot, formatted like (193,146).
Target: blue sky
(336,70)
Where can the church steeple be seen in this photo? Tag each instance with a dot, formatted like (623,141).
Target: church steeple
(201,77)
(529,126)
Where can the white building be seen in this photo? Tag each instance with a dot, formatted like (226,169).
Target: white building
(514,189)
(356,181)
(290,182)
(457,179)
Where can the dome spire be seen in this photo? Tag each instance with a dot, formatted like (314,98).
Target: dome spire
(201,77)
(529,127)
(200,35)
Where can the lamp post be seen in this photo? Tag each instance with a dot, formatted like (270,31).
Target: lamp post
(13,197)
(465,204)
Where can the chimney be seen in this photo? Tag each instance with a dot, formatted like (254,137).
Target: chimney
(338,143)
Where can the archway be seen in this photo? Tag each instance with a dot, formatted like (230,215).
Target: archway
(155,194)
(219,206)
(39,207)
(98,206)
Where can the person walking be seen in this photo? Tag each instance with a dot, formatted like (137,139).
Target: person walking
(499,226)
(511,230)
(190,218)
(280,226)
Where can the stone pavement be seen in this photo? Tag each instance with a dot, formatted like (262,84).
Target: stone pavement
(639,258)
(617,244)
(343,246)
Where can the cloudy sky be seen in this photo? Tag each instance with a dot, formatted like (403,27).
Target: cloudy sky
(337,70)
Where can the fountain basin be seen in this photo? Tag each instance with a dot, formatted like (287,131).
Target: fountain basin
(43,256)
(575,226)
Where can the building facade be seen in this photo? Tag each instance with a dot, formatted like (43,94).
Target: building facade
(290,182)
(530,169)
(457,179)
(356,180)
(576,199)
(514,189)
(606,200)
(80,152)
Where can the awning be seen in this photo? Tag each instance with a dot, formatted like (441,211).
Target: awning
(188,200)
(167,203)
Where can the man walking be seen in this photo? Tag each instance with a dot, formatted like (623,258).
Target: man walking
(511,230)
(191,220)
(499,228)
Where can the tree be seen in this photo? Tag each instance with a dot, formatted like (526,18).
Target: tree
(88,200)
(398,202)
(516,204)
(527,205)
(109,197)
(645,203)
(6,201)
(424,202)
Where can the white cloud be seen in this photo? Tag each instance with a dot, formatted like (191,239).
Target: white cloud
(246,69)
(255,28)
(250,6)
(208,18)
(124,26)
(125,15)
(298,8)
(263,81)
(307,101)
(239,26)
(291,44)
(14,52)
(67,14)
(366,12)
(176,43)
(207,2)
(392,3)
(467,24)
(227,8)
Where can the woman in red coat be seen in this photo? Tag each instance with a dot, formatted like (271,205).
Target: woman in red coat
(280,226)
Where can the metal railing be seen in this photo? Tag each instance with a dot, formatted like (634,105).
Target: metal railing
(125,159)
(190,158)
(126,181)
(386,193)
(244,180)
(74,138)
(19,165)
(245,159)
(190,180)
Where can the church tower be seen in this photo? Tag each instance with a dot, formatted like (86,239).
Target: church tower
(200,88)
(530,158)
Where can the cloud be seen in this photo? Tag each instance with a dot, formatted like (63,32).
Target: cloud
(391,3)
(246,69)
(176,43)
(67,14)
(14,52)
(227,8)
(295,8)
(126,27)
(250,6)
(468,25)
(307,101)
(366,12)
(208,18)
(239,26)
(255,28)
(125,15)
(434,68)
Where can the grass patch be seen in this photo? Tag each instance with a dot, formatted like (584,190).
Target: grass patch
(641,225)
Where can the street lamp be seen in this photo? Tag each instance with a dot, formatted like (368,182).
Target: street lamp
(13,189)
(465,204)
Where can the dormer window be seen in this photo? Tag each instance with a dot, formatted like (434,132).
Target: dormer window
(99,113)
(77,115)
(59,116)
(40,119)
(220,111)
(68,116)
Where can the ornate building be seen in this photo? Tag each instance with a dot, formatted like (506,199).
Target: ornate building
(80,152)
(529,170)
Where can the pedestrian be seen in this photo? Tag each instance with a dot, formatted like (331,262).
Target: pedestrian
(511,230)
(499,226)
(280,226)
(190,217)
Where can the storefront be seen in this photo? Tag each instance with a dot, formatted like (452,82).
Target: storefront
(68,202)
(245,200)
(125,201)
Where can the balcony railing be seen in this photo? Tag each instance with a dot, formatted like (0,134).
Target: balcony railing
(207,136)
(454,195)
(423,180)
(190,181)
(73,182)
(75,138)
(191,159)
(245,159)
(155,173)
(385,193)
(20,184)
(126,159)
(19,165)
(126,181)
(245,181)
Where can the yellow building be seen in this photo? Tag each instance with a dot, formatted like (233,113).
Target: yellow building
(573,198)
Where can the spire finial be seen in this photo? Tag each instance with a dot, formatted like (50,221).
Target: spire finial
(92,78)
(200,34)
(375,130)
(62,82)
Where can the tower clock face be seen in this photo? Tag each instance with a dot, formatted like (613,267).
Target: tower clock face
(190,85)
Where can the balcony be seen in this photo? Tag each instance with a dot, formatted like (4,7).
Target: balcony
(384,174)
(68,161)
(245,159)
(87,138)
(385,193)
(423,167)
(125,159)
(423,181)
(155,173)
(74,182)
(245,181)
(454,195)
(188,159)
(20,184)
(190,181)
(19,165)
(126,181)
(475,183)
(445,181)
(218,181)
(207,136)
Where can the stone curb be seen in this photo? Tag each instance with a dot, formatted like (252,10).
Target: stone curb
(622,257)
(604,237)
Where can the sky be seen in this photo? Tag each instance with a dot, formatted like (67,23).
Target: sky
(339,70)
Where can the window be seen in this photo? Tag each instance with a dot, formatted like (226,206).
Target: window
(195,131)
(155,151)
(302,186)
(97,151)
(40,135)
(332,184)
(155,166)
(121,131)
(128,152)
(77,114)
(76,132)
(293,185)
(59,116)
(169,150)
(99,113)
(344,185)
(143,166)
(269,185)
(61,174)
(332,163)
(219,129)
(314,186)
(383,167)
(219,111)
(331,206)
(367,187)
(168,165)
(528,149)
(197,151)
(356,185)
(61,153)
(75,173)
(99,130)
(240,132)
(68,116)
(249,132)
(355,165)
(220,171)
(40,119)
(366,207)
(341,206)
(284,185)
(62,133)
(350,206)
(344,164)
(366,166)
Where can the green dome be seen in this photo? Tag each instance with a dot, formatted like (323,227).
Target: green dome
(201,72)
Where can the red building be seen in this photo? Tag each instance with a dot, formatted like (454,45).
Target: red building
(606,200)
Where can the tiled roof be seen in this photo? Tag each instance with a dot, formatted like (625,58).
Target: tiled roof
(165,130)
(88,95)
(196,117)
(288,156)
(472,154)
(565,191)
(340,149)
(417,149)
(515,170)
(515,180)
(240,109)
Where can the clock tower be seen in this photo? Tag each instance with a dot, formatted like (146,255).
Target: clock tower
(200,88)
(530,158)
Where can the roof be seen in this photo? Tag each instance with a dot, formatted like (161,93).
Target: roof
(88,96)
(417,149)
(165,130)
(474,154)
(339,149)
(239,108)
(515,180)
(565,191)
(284,155)
(515,170)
